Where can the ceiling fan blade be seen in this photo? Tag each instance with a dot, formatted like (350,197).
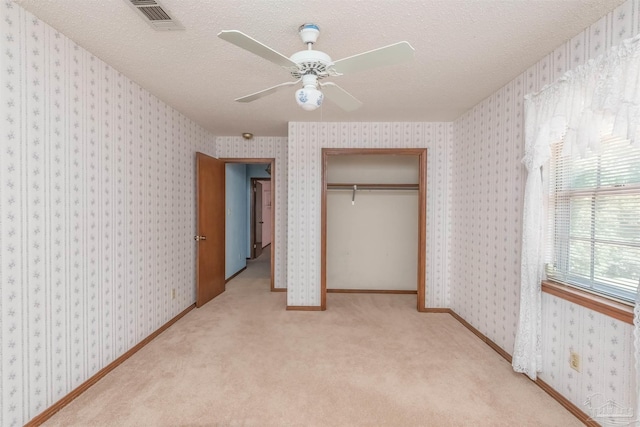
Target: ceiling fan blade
(266,92)
(247,43)
(388,55)
(340,97)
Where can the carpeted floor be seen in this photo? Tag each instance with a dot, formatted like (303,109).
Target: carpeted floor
(369,360)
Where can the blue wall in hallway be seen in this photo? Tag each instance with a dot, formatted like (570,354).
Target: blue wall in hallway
(236,218)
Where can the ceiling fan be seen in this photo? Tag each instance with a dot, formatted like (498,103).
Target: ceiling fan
(310,66)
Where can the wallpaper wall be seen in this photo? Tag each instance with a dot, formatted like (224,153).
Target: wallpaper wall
(486,210)
(97,218)
(263,148)
(305,184)
(487,185)
(606,349)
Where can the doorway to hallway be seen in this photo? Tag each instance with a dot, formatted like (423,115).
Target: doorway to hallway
(249,227)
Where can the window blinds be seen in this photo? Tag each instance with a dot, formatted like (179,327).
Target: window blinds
(593,238)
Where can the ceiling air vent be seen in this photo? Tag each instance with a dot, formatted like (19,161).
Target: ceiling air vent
(155,15)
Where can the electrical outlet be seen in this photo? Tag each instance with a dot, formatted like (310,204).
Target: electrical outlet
(173,293)
(574,361)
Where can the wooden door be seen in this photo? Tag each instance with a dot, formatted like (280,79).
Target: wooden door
(211,227)
(257,191)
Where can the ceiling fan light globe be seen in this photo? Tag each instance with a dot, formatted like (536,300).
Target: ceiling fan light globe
(309,98)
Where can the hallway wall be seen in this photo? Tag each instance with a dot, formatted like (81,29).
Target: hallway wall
(236,218)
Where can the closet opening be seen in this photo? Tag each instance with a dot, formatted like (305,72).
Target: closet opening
(373,222)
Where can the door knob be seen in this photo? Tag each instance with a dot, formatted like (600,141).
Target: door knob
(198,238)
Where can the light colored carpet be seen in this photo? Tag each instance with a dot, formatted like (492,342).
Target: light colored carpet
(369,360)
(259,268)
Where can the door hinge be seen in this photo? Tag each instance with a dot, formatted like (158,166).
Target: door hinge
(255,247)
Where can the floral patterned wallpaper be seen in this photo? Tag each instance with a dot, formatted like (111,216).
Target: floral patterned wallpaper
(605,346)
(97,214)
(305,183)
(487,185)
(261,148)
(486,211)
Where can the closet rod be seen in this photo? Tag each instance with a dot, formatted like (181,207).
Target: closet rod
(373,186)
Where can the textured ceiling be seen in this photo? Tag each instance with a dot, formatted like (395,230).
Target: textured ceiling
(465,51)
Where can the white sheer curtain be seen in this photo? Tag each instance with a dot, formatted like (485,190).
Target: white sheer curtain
(576,107)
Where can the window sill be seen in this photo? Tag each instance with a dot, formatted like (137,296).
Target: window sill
(607,306)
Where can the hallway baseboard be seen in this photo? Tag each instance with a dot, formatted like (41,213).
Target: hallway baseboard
(235,274)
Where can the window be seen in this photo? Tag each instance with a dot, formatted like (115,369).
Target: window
(594,219)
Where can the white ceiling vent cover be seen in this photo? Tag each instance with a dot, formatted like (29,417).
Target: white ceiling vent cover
(155,15)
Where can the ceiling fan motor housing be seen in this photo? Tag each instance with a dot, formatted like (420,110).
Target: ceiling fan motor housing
(309,33)
(311,62)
